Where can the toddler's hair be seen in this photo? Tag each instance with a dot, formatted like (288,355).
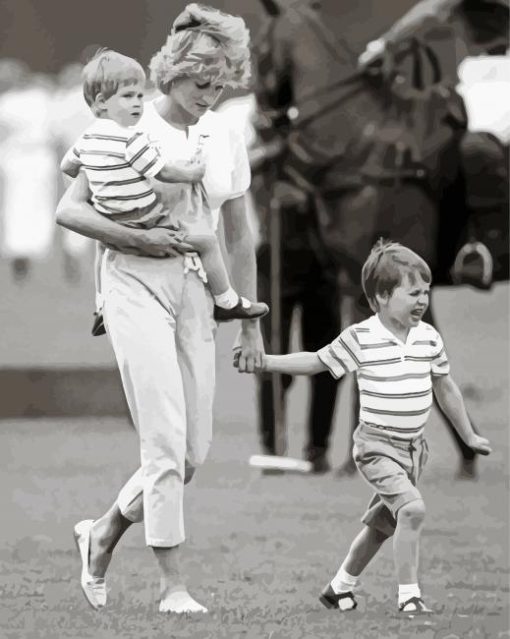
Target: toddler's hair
(106,72)
(385,268)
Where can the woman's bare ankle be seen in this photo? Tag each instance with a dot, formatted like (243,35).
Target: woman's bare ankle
(169,586)
(99,557)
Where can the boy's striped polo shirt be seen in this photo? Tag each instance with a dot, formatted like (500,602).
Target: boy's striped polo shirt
(117,161)
(394,379)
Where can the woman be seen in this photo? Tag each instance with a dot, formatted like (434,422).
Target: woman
(158,311)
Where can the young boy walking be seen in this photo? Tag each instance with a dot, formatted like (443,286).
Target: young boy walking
(399,361)
(119,161)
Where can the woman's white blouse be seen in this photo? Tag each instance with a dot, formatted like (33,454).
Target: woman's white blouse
(227,173)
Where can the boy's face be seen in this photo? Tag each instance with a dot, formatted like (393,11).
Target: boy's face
(126,106)
(408,302)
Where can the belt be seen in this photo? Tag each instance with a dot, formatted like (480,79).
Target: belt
(390,430)
(137,215)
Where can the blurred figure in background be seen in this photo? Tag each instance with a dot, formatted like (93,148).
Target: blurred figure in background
(71,116)
(27,152)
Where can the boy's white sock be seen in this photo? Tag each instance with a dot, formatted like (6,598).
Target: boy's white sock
(343,581)
(228,299)
(406,591)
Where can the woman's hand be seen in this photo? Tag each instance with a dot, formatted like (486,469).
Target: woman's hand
(249,348)
(161,242)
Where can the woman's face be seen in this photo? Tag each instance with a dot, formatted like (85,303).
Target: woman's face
(195,96)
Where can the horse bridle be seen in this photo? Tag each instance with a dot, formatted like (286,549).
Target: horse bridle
(375,72)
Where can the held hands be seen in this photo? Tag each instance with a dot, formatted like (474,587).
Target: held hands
(479,444)
(258,365)
(249,348)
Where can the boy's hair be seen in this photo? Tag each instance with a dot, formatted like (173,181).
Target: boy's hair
(106,72)
(386,267)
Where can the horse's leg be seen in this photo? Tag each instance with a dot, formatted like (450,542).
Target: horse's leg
(320,325)
(265,385)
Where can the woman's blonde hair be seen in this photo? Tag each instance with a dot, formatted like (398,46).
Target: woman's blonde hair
(206,44)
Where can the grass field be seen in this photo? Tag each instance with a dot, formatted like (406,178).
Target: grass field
(260,548)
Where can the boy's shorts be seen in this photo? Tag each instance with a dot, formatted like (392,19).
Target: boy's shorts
(392,467)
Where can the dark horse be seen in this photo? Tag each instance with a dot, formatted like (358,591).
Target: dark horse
(375,151)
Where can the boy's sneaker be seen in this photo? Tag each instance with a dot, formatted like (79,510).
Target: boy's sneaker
(331,599)
(244,309)
(98,325)
(414,606)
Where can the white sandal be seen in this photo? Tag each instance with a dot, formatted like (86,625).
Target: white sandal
(94,588)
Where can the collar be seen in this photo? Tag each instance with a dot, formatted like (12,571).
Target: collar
(381,330)
(107,124)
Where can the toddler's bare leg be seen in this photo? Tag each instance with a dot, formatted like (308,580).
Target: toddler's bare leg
(406,541)
(228,304)
(339,592)
(363,549)
(210,253)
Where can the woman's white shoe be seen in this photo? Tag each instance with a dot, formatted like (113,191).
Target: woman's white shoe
(94,588)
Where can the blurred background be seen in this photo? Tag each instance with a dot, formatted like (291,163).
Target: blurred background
(47,356)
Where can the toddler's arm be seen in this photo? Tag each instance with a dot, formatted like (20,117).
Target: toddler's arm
(191,171)
(450,399)
(303,363)
(146,158)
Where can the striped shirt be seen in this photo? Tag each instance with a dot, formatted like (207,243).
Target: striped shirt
(118,162)
(394,378)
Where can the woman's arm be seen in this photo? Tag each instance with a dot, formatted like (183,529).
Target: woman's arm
(76,214)
(241,250)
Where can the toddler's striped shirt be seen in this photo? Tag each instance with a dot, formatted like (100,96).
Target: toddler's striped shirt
(394,379)
(117,161)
